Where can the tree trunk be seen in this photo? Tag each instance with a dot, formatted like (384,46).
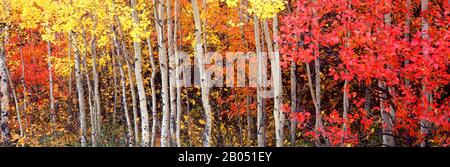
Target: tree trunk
(152,86)
(80,91)
(293,127)
(4,100)
(16,102)
(50,76)
(427,101)
(159,16)
(97,117)
(129,132)
(131,81)
(260,122)
(277,86)
(345,103)
(172,82)
(90,92)
(140,83)
(203,79)
(114,71)
(315,92)
(386,117)
(177,75)
(24,84)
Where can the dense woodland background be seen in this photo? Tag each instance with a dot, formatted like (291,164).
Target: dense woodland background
(348,73)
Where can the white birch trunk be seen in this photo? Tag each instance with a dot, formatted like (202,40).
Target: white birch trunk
(140,83)
(277,86)
(80,91)
(203,80)
(4,99)
(260,122)
(162,53)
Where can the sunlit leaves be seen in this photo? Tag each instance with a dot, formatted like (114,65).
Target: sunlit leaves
(265,9)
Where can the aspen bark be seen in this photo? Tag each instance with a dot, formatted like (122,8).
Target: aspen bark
(97,116)
(114,71)
(162,53)
(345,103)
(260,122)
(129,135)
(386,117)
(24,85)
(4,99)
(172,84)
(80,91)
(131,81)
(50,76)
(293,122)
(277,86)
(177,75)
(140,83)
(427,101)
(16,102)
(153,89)
(90,92)
(129,132)
(345,99)
(23,82)
(315,89)
(203,79)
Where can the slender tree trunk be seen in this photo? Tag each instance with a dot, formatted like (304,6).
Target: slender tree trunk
(172,84)
(159,16)
(315,92)
(131,81)
(427,101)
(129,132)
(177,75)
(277,86)
(345,98)
(386,117)
(345,102)
(97,116)
(140,83)
(114,71)
(152,87)
(4,100)
(123,77)
(133,94)
(16,102)
(80,91)
(90,92)
(23,83)
(50,76)
(318,122)
(293,125)
(69,93)
(260,122)
(203,79)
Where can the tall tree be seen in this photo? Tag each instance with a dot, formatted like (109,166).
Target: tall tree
(203,80)
(139,81)
(80,91)
(260,122)
(4,99)
(163,65)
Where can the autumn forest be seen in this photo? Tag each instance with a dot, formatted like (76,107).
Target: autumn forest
(224,73)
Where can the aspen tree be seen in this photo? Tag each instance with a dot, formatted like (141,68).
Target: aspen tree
(139,81)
